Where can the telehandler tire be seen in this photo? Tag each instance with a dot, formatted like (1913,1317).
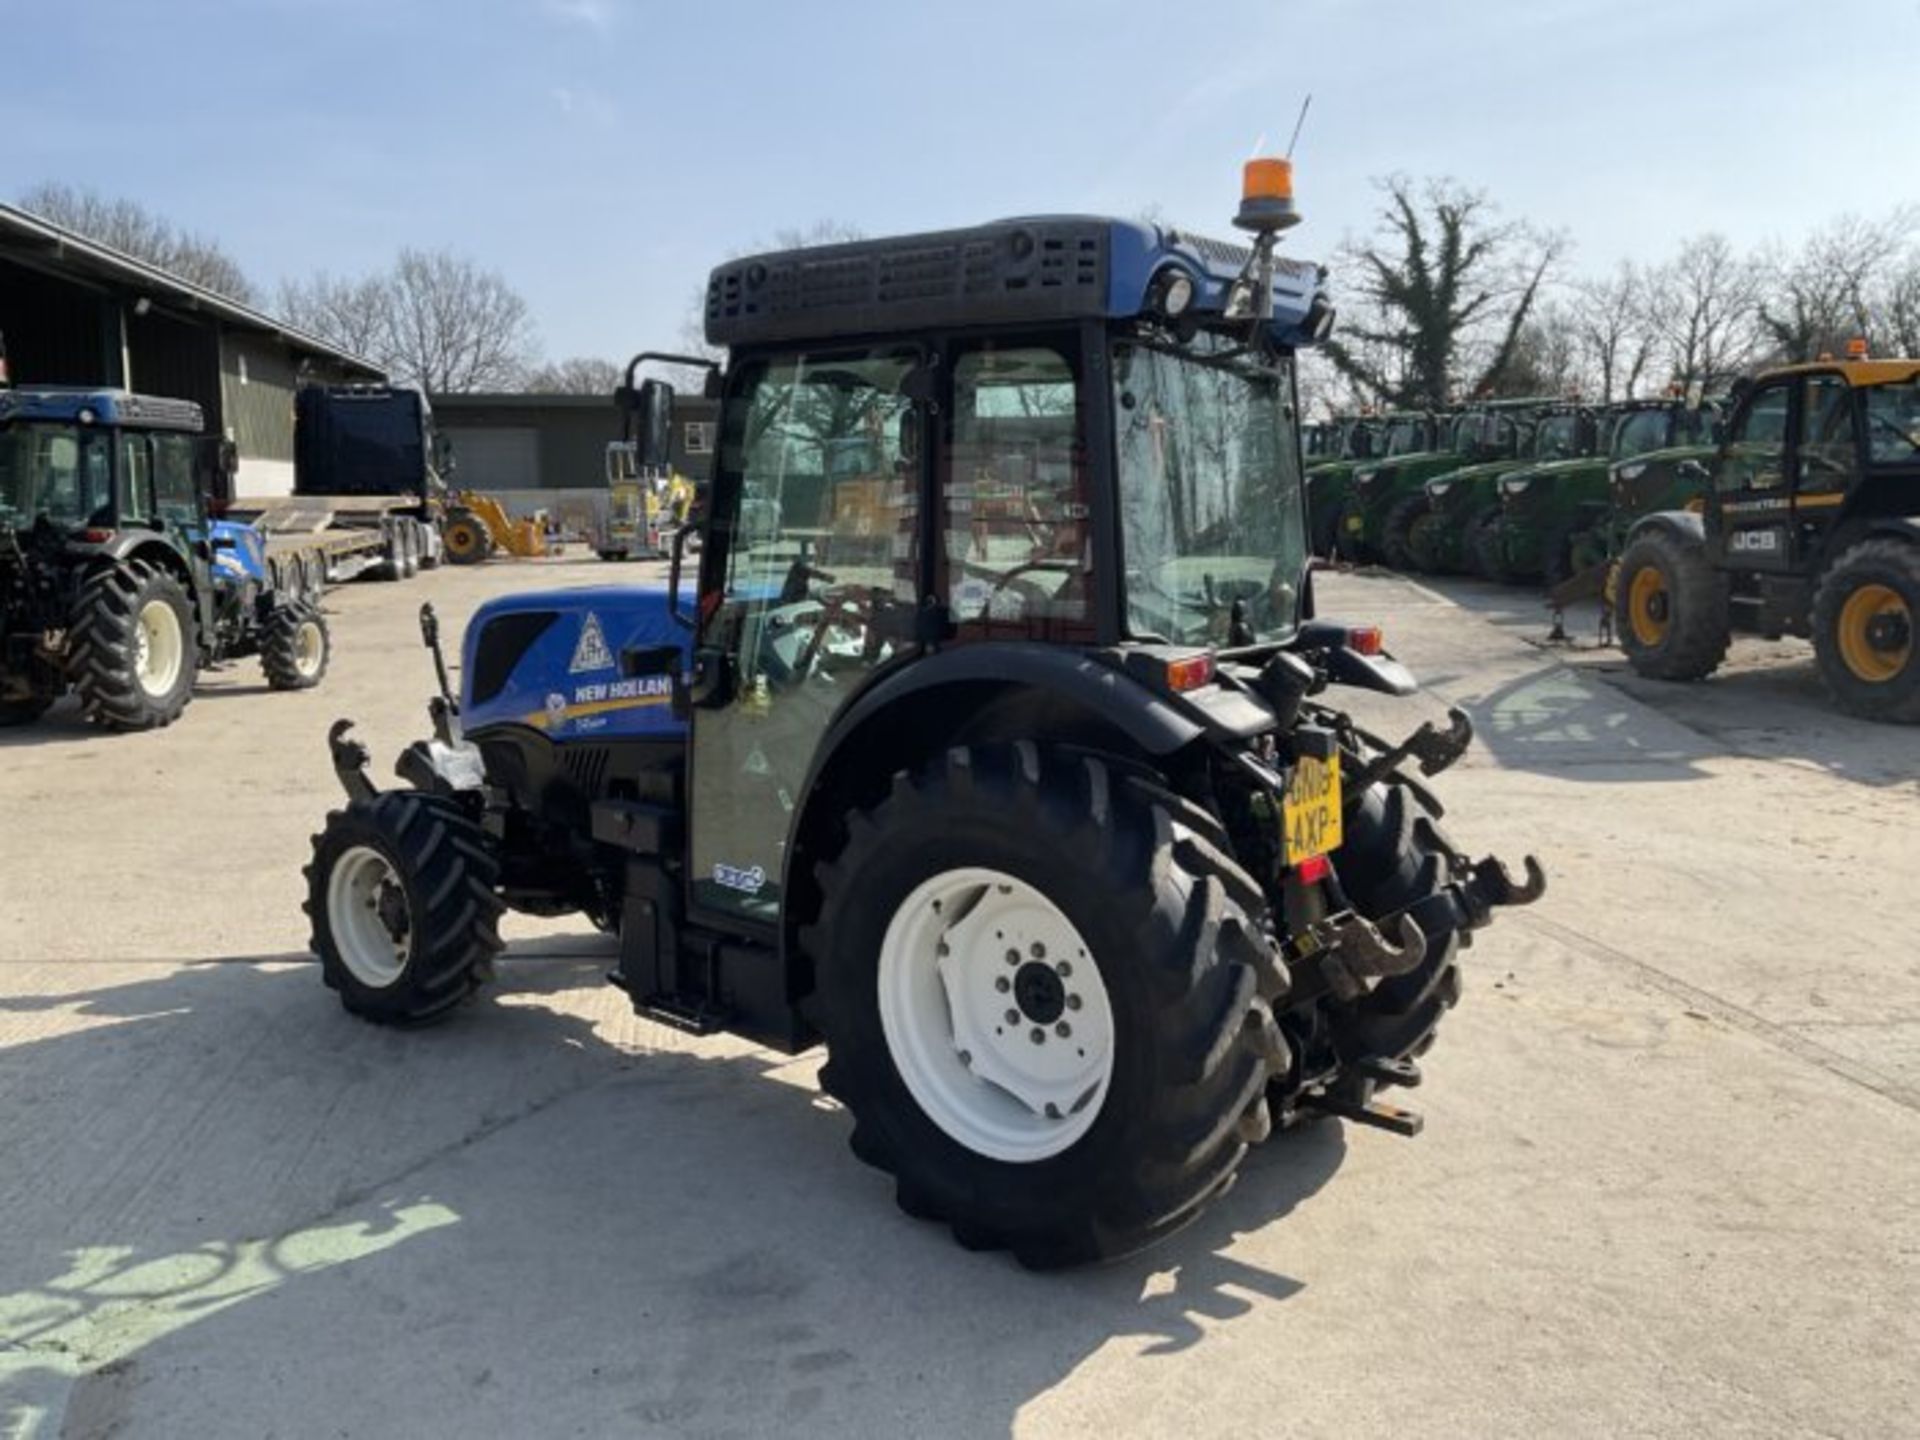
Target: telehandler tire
(1044,994)
(295,646)
(133,651)
(1396,532)
(465,540)
(405,915)
(1672,608)
(1864,614)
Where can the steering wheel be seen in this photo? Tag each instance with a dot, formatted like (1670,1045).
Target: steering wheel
(1064,566)
(847,605)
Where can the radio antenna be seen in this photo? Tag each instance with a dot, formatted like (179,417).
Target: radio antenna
(1295,140)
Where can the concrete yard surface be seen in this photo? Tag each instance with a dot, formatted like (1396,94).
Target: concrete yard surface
(1666,1186)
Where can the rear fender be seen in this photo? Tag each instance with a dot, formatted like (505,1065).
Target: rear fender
(1683,525)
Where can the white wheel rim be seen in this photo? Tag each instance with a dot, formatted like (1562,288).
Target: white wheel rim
(308,647)
(368,913)
(981,1076)
(157,647)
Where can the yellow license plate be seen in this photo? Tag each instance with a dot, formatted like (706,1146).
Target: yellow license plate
(1311,811)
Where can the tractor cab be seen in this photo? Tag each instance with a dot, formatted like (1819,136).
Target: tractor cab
(1809,525)
(1459,524)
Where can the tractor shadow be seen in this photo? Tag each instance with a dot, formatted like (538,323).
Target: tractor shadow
(237,1210)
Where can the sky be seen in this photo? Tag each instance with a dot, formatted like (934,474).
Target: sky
(604,154)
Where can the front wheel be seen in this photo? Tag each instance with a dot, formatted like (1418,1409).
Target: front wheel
(295,646)
(1675,621)
(401,893)
(1043,997)
(133,651)
(1863,621)
(1425,543)
(465,540)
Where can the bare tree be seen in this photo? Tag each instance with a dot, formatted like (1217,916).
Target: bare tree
(1820,296)
(1444,291)
(1546,357)
(130,227)
(1896,308)
(436,320)
(1615,333)
(579,375)
(354,315)
(1705,305)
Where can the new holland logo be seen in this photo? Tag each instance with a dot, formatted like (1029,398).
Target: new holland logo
(591,653)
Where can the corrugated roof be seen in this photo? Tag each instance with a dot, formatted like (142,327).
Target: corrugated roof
(77,250)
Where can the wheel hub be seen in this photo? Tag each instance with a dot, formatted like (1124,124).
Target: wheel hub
(996,1016)
(370,917)
(1888,633)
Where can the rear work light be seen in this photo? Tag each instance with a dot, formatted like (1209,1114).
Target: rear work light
(1189,672)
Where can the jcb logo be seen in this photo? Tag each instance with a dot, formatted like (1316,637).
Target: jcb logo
(1751,542)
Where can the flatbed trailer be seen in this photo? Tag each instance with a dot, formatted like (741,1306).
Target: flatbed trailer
(314,541)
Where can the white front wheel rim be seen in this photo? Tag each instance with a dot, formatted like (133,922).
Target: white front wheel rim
(157,647)
(367,911)
(995,1015)
(308,647)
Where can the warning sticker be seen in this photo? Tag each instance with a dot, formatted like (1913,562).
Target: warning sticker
(591,653)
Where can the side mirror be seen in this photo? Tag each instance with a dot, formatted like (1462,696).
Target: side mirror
(652,408)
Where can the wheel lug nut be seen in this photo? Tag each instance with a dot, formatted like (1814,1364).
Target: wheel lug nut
(1063,969)
(1013,957)
(942,950)
(1002,984)
(966,1058)
(1039,951)
(1013,1017)
(1063,1030)
(1073,1002)
(1039,1036)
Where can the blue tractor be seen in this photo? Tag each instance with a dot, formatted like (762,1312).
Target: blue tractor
(1002,762)
(114,582)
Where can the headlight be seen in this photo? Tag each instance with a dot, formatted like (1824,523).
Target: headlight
(1633,470)
(1172,292)
(1515,487)
(1365,478)
(1439,488)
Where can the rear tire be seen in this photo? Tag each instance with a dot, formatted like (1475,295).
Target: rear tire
(295,646)
(1395,532)
(134,651)
(1864,614)
(405,914)
(1674,614)
(1170,949)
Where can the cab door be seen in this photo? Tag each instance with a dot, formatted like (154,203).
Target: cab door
(1752,479)
(810,582)
(1826,459)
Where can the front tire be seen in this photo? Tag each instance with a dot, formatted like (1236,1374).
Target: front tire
(295,646)
(1674,609)
(134,651)
(465,540)
(1424,543)
(1127,929)
(1487,549)
(401,893)
(1863,631)
(1396,533)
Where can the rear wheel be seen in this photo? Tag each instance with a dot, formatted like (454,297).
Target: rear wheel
(1863,630)
(466,540)
(134,652)
(1395,532)
(405,915)
(295,646)
(1042,995)
(1673,609)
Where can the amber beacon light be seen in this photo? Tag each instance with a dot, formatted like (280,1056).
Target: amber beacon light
(1266,196)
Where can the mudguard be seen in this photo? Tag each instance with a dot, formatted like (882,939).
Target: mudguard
(243,558)
(551,660)
(1686,525)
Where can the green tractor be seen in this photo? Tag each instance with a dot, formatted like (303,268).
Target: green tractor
(1809,525)
(1390,495)
(1554,520)
(1463,506)
(1362,438)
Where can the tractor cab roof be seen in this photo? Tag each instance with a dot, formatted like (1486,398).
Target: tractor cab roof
(86,406)
(1861,374)
(1019,271)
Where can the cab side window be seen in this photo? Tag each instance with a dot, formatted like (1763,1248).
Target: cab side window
(1755,457)
(1641,431)
(175,495)
(136,480)
(1826,434)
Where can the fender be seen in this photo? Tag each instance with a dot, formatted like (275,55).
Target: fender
(871,723)
(1687,526)
(1894,527)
